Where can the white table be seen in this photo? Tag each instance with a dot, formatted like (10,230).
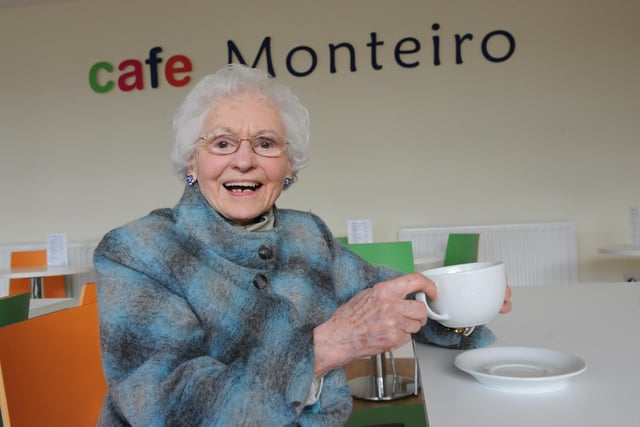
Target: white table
(426,263)
(37,274)
(621,250)
(40,306)
(598,322)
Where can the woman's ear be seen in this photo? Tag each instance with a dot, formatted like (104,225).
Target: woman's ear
(191,178)
(191,170)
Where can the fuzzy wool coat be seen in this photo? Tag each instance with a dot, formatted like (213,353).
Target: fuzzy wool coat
(204,323)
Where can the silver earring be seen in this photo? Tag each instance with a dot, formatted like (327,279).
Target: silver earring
(287,183)
(190,180)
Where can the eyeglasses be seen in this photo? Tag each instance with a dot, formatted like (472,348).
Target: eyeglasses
(224,144)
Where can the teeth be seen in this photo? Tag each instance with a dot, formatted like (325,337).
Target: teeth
(240,187)
(242,184)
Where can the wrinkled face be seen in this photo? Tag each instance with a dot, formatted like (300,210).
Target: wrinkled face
(243,185)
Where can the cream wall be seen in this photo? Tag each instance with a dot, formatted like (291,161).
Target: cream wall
(550,134)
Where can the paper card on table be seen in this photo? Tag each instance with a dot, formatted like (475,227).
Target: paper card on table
(360,231)
(57,250)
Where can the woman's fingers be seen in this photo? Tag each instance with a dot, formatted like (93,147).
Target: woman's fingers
(405,285)
(506,305)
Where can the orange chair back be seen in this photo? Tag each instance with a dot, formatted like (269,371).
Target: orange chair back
(51,370)
(53,286)
(88,294)
(33,258)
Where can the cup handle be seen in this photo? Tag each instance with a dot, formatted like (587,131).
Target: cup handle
(420,296)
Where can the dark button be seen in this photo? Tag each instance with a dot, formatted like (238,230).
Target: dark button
(265,252)
(260,281)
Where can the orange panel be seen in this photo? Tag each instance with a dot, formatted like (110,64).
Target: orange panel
(51,371)
(88,293)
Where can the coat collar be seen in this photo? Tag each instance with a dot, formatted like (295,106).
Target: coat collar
(203,227)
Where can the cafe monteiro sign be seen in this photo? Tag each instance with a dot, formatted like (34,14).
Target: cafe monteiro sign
(408,52)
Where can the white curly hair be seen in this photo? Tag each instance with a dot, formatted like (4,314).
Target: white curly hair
(231,80)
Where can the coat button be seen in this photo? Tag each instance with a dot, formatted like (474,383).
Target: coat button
(260,281)
(265,252)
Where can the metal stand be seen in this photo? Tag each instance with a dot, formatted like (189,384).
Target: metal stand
(37,287)
(383,386)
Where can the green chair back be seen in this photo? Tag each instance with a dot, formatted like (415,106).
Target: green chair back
(462,248)
(397,255)
(396,414)
(14,308)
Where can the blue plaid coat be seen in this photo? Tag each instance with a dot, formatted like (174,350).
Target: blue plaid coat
(204,323)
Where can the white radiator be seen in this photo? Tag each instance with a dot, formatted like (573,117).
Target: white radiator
(534,254)
(78,253)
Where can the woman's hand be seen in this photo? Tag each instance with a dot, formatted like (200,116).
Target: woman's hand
(506,305)
(374,320)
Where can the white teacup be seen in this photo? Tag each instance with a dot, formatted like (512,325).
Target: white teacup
(468,294)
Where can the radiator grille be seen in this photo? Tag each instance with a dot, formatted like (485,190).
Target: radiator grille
(534,254)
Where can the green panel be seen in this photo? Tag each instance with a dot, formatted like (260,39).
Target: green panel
(462,248)
(409,415)
(397,255)
(14,309)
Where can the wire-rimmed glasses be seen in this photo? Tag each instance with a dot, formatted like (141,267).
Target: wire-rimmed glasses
(226,143)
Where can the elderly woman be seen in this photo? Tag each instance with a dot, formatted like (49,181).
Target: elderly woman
(226,310)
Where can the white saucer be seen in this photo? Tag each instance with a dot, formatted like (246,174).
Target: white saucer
(520,369)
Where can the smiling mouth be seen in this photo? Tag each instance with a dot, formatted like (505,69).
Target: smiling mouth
(242,187)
